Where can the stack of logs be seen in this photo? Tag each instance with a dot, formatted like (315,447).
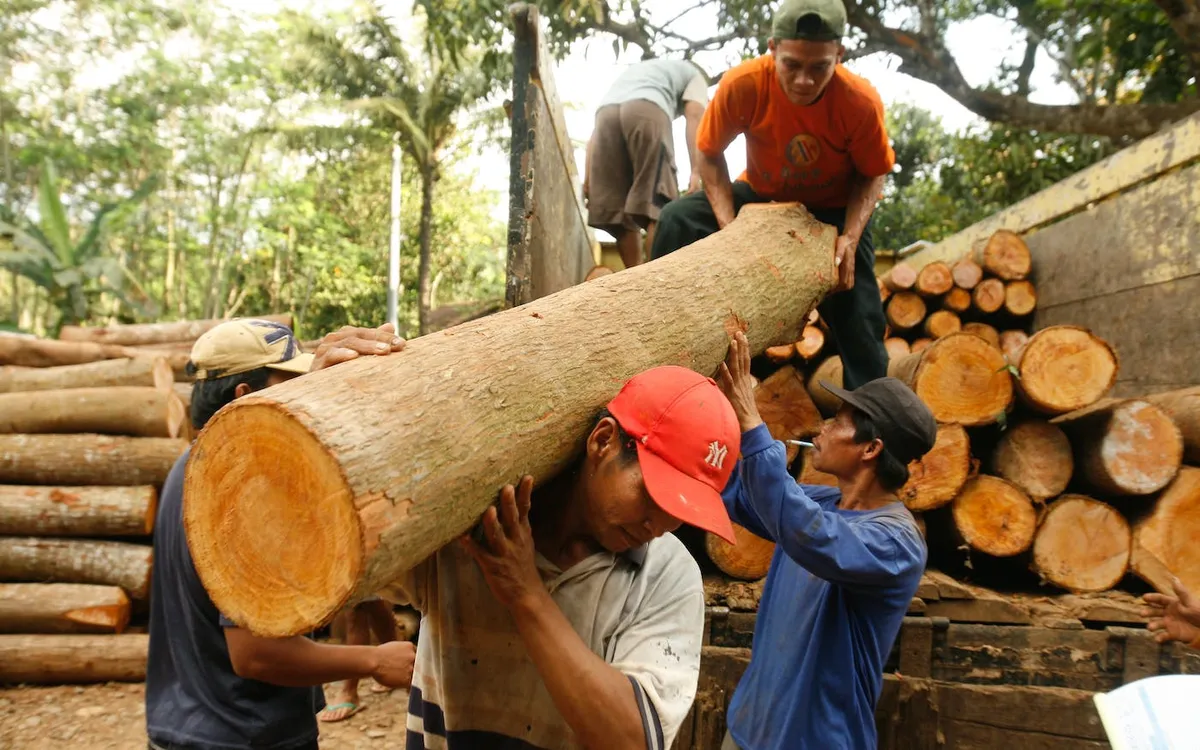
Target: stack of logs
(1036,477)
(90,426)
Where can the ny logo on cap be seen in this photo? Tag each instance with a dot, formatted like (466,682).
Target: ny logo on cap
(716,455)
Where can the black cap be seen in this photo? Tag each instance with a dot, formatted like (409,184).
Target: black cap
(905,423)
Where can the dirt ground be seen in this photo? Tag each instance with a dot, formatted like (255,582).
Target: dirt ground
(112,717)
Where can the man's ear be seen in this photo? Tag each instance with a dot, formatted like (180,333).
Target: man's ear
(603,439)
(241,389)
(872,449)
(771,44)
(841,55)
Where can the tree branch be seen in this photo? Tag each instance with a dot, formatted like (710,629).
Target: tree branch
(1184,16)
(1026,69)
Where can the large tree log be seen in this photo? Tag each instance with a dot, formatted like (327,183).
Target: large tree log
(1006,255)
(62,608)
(829,371)
(1020,298)
(70,659)
(786,408)
(934,279)
(900,278)
(1081,545)
(967,274)
(1124,447)
(151,372)
(1036,456)
(957,300)
(140,334)
(988,296)
(905,310)
(122,410)
(994,517)
(307,453)
(77,561)
(1184,407)
(1164,543)
(936,478)
(1064,368)
(748,560)
(961,378)
(87,459)
(77,511)
(942,323)
(31,352)
(983,331)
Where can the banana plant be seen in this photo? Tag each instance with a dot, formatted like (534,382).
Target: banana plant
(72,273)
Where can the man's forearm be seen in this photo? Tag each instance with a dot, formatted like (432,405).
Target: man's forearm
(693,127)
(717,186)
(864,195)
(596,700)
(297,661)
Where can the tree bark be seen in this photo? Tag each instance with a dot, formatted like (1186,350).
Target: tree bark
(153,372)
(748,559)
(87,459)
(77,511)
(994,517)
(936,479)
(811,342)
(145,334)
(31,352)
(1020,298)
(988,296)
(983,331)
(71,659)
(942,323)
(828,371)
(1081,545)
(957,300)
(365,520)
(1012,342)
(897,347)
(961,378)
(1124,447)
(77,561)
(934,279)
(967,274)
(1006,256)
(1184,407)
(905,310)
(1036,456)
(1164,543)
(1064,368)
(900,278)
(428,177)
(119,410)
(785,406)
(62,608)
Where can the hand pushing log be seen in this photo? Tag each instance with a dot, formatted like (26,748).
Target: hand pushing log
(376,464)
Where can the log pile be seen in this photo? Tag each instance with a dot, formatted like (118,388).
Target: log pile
(90,425)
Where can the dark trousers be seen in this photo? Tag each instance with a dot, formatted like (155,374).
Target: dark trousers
(855,316)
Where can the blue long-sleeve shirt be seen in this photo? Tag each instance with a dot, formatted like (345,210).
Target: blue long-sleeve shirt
(839,585)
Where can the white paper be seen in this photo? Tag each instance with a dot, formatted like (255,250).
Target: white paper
(1157,713)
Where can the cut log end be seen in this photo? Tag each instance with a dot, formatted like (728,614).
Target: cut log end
(934,279)
(1035,456)
(1128,448)
(988,296)
(1064,368)
(1020,298)
(942,323)
(321,573)
(905,310)
(919,345)
(1006,255)
(811,342)
(748,559)
(1011,343)
(897,347)
(1164,543)
(900,278)
(935,479)
(781,354)
(957,300)
(1082,545)
(961,378)
(967,274)
(994,517)
(983,331)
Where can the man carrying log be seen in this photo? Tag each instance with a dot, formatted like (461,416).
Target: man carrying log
(575,620)
(814,134)
(847,562)
(209,683)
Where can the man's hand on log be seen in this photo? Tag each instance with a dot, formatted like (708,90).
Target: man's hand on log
(396,662)
(738,383)
(1173,618)
(349,342)
(508,563)
(845,251)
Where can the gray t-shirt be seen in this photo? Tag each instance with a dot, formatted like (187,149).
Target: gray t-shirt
(667,83)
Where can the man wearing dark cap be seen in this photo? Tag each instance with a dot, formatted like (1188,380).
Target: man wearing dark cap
(814,134)
(847,563)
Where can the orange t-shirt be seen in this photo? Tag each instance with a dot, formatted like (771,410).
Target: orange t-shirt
(793,153)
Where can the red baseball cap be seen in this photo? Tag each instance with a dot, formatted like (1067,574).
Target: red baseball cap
(688,440)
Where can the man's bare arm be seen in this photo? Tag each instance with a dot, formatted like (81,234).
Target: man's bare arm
(693,112)
(717,186)
(864,195)
(300,662)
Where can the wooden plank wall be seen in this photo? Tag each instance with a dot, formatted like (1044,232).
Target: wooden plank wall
(549,247)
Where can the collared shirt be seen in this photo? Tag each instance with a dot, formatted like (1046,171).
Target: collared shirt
(475,685)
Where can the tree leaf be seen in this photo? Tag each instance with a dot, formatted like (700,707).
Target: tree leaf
(54,217)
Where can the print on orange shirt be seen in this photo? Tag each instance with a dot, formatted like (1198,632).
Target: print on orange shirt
(807,154)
